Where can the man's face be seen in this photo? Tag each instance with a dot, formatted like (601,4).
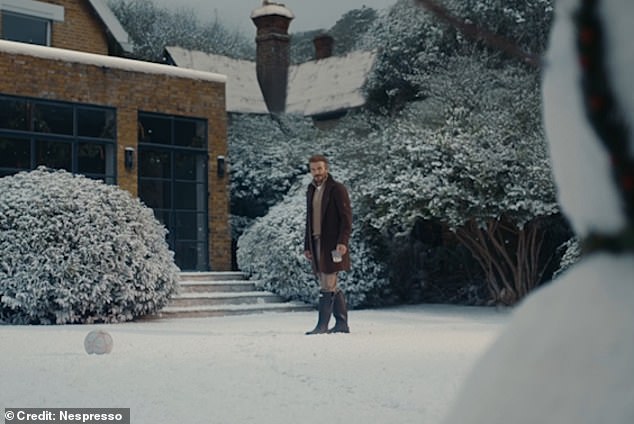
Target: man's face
(319,171)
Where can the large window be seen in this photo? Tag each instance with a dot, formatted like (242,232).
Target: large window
(173,182)
(76,137)
(26,29)
(29,21)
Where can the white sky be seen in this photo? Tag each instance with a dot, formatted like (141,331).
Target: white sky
(309,14)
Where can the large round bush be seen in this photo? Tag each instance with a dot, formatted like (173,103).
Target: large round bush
(75,250)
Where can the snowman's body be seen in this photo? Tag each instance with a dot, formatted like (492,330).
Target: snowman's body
(567,356)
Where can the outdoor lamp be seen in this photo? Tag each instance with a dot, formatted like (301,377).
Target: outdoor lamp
(220,160)
(128,158)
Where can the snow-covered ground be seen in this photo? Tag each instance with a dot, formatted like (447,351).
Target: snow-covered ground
(400,365)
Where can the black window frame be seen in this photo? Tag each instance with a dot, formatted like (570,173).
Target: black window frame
(35,136)
(26,18)
(170,148)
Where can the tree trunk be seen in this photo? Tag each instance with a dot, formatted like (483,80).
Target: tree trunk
(510,257)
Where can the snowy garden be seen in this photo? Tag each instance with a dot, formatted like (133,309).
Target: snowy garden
(459,140)
(447,167)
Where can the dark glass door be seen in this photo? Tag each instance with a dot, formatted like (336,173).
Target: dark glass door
(173,182)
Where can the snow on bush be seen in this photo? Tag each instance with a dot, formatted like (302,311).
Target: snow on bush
(571,255)
(454,136)
(75,250)
(272,252)
(269,153)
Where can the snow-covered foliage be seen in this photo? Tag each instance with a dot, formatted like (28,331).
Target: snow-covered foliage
(571,255)
(352,26)
(415,43)
(457,139)
(484,157)
(269,154)
(75,250)
(272,252)
(153,27)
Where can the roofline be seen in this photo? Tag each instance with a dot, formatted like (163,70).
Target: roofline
(112,24)
(73,56)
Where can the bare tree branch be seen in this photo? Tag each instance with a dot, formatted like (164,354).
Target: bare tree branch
(474,32)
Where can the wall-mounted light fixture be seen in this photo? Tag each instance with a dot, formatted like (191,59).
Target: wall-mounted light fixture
(128,158)
(221,166)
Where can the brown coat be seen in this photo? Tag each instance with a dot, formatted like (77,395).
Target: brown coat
(336,225)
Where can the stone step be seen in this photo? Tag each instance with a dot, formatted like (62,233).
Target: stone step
(199,286)
(225,310)
(211,294)
(226,298)
(212,276)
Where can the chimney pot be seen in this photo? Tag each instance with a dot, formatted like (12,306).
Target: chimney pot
(323,46)
(272,52)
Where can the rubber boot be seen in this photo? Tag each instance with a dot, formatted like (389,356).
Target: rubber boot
(325,310)
(340,312)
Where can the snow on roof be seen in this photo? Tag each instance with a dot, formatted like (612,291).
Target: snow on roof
(243,91)
(272,9)
(330,84)
(53,53)
(113,24)
(316,87)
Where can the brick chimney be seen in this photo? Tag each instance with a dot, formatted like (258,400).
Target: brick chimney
(323,46)
(272,52)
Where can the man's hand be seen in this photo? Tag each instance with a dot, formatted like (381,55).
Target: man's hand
(341,248)
(308,255)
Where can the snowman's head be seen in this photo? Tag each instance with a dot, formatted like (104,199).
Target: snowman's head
(589,115)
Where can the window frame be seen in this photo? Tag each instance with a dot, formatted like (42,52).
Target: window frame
(36,138)
(32,21)
(172,214)
(36,11)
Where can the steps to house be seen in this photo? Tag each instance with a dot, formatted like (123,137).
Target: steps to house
(207,294)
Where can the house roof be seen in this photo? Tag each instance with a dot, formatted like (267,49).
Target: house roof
(243,91)
(112,24)
(328,85)
(316,87)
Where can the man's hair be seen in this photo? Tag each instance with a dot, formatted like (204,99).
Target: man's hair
(318,158)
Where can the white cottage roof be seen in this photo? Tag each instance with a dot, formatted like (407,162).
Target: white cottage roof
(316,87)
(330,84)
(243,91)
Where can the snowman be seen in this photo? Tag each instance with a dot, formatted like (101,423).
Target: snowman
(567,355)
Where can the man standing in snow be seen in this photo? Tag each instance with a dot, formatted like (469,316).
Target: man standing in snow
(328,228)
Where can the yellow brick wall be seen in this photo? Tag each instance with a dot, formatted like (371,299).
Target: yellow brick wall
(130,92)
(81,30)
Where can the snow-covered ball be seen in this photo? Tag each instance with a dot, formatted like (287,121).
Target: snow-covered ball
(98,342)
(77,251)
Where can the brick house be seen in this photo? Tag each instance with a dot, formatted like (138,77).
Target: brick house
(69,99)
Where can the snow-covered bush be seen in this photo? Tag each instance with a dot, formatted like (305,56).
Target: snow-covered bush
(272,253)
(484,171)
(75,250)
(268,154)
(571,255)
(152,27)
(416,44)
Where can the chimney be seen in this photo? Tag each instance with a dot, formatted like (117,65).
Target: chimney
(272,52)
(323,46)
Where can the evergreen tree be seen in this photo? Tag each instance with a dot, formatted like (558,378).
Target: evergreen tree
(152,28)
